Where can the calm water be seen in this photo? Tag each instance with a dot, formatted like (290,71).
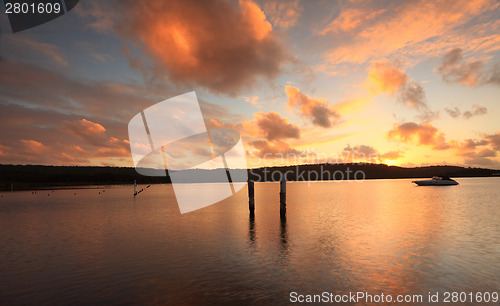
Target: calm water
(377,236)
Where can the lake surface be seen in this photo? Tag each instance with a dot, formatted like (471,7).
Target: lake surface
(378,236)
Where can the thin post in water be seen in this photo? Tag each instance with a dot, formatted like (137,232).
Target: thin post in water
(251,197)
(283,197)
(135,188)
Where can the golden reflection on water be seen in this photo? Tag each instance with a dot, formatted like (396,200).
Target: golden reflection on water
(377,236)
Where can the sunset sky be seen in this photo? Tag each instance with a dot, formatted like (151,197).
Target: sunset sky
(407,83)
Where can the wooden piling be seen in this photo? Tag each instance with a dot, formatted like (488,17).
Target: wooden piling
(135,187)
(251,197)
(283,197)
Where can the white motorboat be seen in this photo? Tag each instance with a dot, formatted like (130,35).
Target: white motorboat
(437,181)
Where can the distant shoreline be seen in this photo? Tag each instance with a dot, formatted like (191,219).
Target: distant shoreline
(108,186)
(39,177)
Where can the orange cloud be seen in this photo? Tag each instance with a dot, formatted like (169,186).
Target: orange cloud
(392,155)
(65,158)
(385,78)
(455,69)
(220,114)
(25,151)
(422,134)
(275,149)
(90,127)
(58,141)
(366,153)
(494,141)
(470,144)
(113,148)
(254,101)
(33,147)
(112,152)
(453,112)
(482,157)
(361,153)
(213,44)
(274,127)
(86,130)
(283,14)
(353,105)
(215,124)
(479,152)
(349,20)
(408,27)
(4,149)
(256,18)
(94,134)
(476,111)
(315,109)
(110,149)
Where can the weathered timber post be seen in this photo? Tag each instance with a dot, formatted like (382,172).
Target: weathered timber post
(135,188)
(251,197)
(283,197)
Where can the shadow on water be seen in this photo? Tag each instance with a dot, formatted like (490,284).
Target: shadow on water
(251,228)
(283,236)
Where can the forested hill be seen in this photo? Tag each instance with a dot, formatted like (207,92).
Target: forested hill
(36,176)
